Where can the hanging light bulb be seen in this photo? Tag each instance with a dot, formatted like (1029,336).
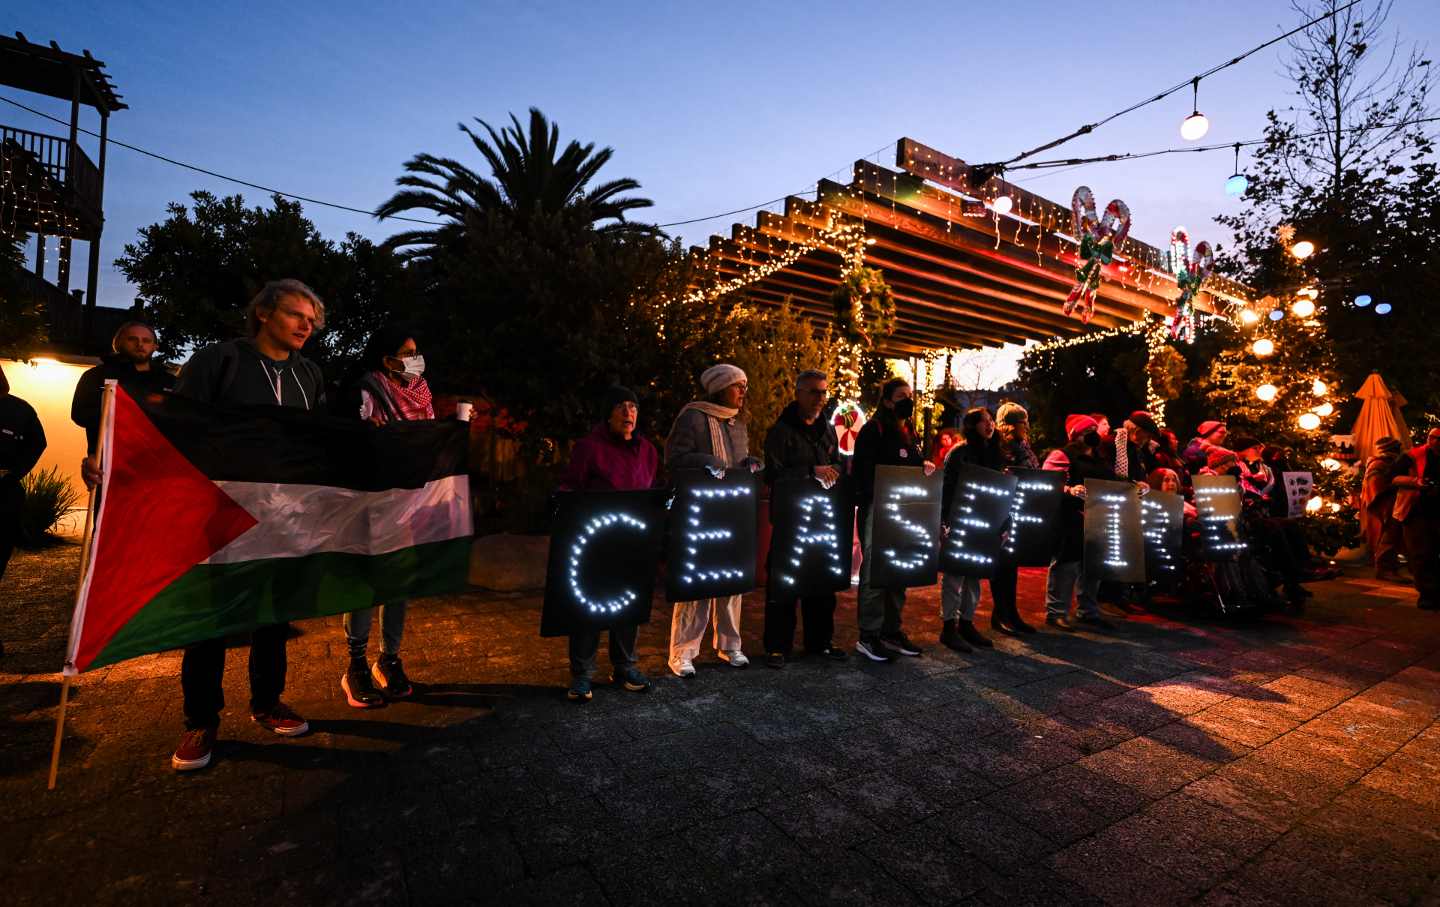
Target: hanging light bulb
(1277,314)
(1195,125)
(1313,505)
(1362,301)
(1318,388)
(1303,249)
(1263,347)
(1002,204)
(1309,421)
(1308,293)
(1303,308)
(1266,392)
(1248,316)
(1382,309)
(1237,183)
(1324,409)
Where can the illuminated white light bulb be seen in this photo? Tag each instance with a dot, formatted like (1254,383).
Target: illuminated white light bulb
(1266,392)
(1313,505)
(1263,347)
(1318,388)
(1002,204)
(1309,421)
(1303,249)
(1324,410)
(1194,127)
(1303,308)
(1248,316)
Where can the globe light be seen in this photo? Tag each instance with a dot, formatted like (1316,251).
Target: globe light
(1248,316)
(1382,309)
(1318,388)
(1331,464)
(1303,308)
(1303,249)
(1266,392)
(1313,505)
(1236,185)
(1324,409)
(1002,204)
(1194,127)
(1362,301)
(1309,421)
(1334,507)
(1308,293)
(1277,314)
(1263,347)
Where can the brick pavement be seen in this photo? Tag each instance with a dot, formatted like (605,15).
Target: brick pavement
(1295,760)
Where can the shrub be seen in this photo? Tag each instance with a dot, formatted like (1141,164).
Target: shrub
(48,497)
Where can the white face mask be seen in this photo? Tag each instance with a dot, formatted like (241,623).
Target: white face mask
(414,366)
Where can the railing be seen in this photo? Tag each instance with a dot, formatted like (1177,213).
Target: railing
(63,161)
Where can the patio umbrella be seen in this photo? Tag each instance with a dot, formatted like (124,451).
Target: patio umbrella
(1379,417)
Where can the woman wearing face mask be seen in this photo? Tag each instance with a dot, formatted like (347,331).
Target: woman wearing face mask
(960,595)
(391,388)
(1013,429)
(1081,460)
(888,439)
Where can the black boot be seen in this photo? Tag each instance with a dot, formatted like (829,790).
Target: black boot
(1014,621)
(359,690)
(973,636)
(952,637)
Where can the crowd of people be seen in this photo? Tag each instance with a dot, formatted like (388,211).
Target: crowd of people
(266,367)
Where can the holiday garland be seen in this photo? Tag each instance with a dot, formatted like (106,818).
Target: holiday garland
(864,307)
(1099,238)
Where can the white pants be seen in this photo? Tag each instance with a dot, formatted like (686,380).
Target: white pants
(687,626)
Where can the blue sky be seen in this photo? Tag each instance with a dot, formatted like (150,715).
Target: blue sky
(710,106)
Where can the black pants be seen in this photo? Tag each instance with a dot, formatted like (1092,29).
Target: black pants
(203,670)
(12,504)
(1422,542)
(585,648)
(817,612)
(1004,586)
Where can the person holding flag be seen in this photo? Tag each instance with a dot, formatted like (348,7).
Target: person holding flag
(263,368)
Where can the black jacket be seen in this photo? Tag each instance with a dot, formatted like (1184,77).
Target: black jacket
(1072,515)
(236,373)
(793,449)
(85,407)
(986,455)
(22,440)
(881,442)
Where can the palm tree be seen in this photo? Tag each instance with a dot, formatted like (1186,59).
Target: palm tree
(529,181)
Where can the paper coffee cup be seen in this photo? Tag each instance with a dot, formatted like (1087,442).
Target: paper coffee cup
(462,411)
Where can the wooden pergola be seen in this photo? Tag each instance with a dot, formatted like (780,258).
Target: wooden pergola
(963,275)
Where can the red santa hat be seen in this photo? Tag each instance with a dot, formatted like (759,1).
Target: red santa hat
(1078,424)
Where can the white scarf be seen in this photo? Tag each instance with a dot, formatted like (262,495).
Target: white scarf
(716,414)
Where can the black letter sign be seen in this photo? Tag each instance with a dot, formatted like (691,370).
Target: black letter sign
(812,536)
(1217,503)
(1162,522)
(905,527)
(711,550)
(603,552)
(1035,517)
(981,508)
(1113,547)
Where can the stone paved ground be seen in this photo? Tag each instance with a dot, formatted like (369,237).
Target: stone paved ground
(1289,761)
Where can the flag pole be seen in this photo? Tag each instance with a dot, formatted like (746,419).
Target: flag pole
(107,410)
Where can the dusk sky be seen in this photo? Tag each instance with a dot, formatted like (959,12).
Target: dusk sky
(711,106)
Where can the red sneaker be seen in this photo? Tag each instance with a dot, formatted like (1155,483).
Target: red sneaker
(282,720)
(193,751)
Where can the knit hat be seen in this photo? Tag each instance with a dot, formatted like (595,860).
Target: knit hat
(1078,424)
(1145,422)
(718,377)
(1207,429)
(614,396)
(1390,447)
(1218,457)
(1244,442)
(1011,413)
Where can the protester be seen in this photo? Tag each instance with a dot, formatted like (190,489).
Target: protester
(132,363)
(1164,479)
(22,441)
(1208,436)
(1167,456)
(263,368)
(1272,546)
(1383,534)
(1417,509)
(611,458)
(1135,458)
(710,434)
(960,595)
(391,387)
(888,439)
(1013,429)
(801,444)
(1080,460)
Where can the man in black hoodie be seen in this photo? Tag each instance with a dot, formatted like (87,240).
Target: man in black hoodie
(801,444)
(262,369)
(22,441)
(132,363)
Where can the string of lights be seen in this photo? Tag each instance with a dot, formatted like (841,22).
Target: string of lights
(1193,82)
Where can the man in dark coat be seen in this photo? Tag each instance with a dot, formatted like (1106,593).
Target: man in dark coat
(22,441)
(800,445)
(131,362)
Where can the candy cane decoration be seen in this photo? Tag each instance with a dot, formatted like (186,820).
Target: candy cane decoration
(1190,273)
(1099,238)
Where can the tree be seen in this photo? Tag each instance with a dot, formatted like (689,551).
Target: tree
(22,317)
(195,271)
(529,181)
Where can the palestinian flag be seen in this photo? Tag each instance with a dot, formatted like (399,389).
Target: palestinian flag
(215,520)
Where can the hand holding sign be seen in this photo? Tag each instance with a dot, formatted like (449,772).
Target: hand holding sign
(977,519)
(905,527)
